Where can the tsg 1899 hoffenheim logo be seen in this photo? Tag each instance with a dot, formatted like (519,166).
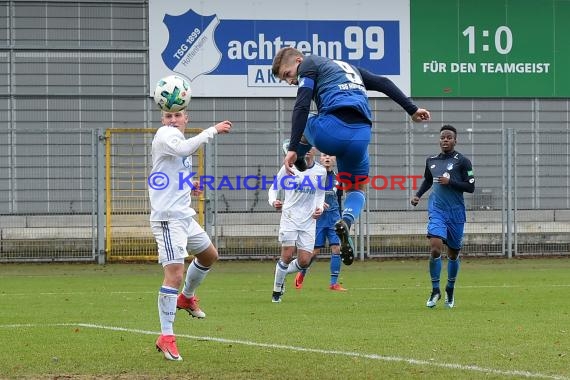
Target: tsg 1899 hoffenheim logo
(191,48)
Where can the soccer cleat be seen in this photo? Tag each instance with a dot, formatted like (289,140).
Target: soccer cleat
(276,297)
(337,287)
(433,298)
(346,245)
(299,280)
(449,299)
(190,305)
(167,345)
(300,163)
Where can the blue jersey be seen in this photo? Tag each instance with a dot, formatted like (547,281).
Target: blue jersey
(331,195)
(448,198)
(331,214)
(335,85)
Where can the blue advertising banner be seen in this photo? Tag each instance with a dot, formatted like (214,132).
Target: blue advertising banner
(223,54)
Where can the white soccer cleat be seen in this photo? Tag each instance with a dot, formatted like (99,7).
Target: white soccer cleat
(449,298)
(433,298)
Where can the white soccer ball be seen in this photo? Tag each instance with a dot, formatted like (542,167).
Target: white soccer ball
(172,93)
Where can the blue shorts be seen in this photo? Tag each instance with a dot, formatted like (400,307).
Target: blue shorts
(348,142)
(440,226)
(326,230)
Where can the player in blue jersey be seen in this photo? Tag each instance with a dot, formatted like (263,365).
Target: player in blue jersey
(342,127)
(325,226)
(451,175)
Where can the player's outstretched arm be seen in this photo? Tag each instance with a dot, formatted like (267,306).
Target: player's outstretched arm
(421,115)
(223,127)
(385,85)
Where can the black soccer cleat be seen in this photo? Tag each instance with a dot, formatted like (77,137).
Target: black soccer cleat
(346,245)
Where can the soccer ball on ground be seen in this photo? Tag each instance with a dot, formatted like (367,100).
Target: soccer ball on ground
(172,93)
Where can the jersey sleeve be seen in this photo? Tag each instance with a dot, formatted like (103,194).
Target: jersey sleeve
(174,143)
(299,116)
(427,182)
(307,77)
(273,191)
(385,85)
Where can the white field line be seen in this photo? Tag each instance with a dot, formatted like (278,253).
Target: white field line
(504,286)
(460,367)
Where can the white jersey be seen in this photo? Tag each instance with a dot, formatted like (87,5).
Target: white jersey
(170,178)
(303,193)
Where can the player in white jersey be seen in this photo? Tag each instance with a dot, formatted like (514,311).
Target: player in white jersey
(174,228)
(303,203)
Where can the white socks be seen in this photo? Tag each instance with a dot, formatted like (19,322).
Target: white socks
(167,308)
(194,277)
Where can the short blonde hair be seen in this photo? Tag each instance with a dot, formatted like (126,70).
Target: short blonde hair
(184,110)
(284,55)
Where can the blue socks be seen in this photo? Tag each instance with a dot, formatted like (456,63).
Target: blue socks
(353,205)
(452,269)
(435,271)
(335,268)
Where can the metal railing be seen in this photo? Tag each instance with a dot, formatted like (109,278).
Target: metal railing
(53,207)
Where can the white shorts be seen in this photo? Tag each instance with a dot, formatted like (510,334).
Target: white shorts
(302,239)
(172,238)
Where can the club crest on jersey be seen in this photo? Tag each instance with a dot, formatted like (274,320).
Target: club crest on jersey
(449,166)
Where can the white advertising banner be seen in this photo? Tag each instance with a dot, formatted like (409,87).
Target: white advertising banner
(225,48)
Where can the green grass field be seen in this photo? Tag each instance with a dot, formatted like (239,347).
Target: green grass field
(68,321)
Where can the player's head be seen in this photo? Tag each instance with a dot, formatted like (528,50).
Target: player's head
(310,156)
(178,119)
(447,138)
(327,161)
(286,64)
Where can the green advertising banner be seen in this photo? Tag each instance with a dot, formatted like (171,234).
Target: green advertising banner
(490,48)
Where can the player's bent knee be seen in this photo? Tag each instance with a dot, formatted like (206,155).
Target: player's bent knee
(304,258)
(209,256)
(452,254)
(435,252)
